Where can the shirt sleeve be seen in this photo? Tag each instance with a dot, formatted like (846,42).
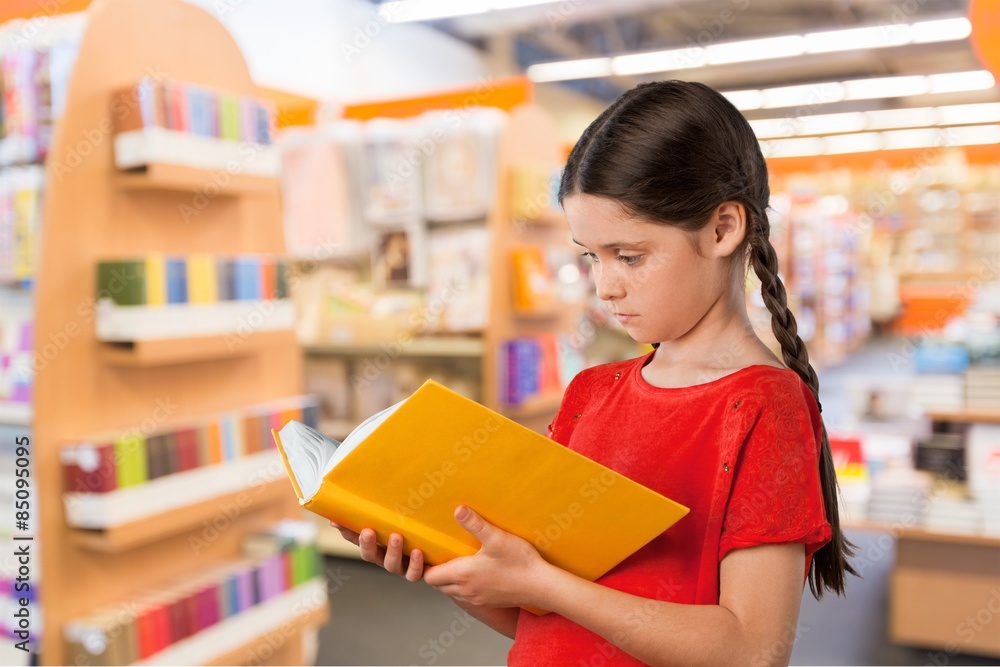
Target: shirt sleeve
(776,495)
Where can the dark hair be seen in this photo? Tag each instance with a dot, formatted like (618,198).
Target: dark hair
(672,152)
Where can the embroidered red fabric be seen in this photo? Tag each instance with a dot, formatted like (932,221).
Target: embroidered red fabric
(740,451)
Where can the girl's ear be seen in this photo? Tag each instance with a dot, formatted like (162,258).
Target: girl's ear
(726,229)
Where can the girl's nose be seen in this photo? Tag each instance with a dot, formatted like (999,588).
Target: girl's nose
(609,285)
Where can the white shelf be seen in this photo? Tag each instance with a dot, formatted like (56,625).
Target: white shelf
(170,492)
(15,414)
(157,145)
(240,319)
(300,603)
(12,656)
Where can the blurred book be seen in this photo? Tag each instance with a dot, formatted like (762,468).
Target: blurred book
(899,494)
(458,294)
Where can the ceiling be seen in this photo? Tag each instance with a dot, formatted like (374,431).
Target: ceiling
(573,29)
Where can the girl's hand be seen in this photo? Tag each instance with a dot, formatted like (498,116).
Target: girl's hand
(507,571)
(390,557)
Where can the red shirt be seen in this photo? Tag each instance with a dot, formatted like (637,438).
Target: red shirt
(741,452)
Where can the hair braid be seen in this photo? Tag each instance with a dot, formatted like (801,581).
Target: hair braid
(830,563)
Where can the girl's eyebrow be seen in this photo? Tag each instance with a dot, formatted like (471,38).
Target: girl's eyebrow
(624,245)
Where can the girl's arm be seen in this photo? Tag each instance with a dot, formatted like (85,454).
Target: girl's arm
(754,622)
(500,619)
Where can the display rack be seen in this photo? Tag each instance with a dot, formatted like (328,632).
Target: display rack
(92,212)
(528,140)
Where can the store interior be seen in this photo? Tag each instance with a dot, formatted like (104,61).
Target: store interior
(217,216)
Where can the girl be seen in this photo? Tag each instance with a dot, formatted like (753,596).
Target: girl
(667,194)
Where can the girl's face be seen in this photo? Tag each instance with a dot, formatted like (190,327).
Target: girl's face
(658,280)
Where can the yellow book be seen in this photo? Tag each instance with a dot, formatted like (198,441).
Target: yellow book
(408,467)
(156,280)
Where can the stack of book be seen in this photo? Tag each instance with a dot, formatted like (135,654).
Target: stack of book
(156,279)
(982,387)
(158,618)
(983,472)
(117,461)
(35,66)
(540,365)
(950,510)
(930,392)
(174,122)
(899,495)
(20,222)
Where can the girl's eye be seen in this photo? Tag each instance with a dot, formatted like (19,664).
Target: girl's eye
(630,260)
(589,255)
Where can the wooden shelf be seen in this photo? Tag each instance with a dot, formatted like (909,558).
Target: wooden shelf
(982,415)
(951,538)
(533,407)
(252,483)
(249,634)
(15,413)
(176,178)
(444,346)
(167,351)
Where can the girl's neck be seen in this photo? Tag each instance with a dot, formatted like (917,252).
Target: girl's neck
(723,341)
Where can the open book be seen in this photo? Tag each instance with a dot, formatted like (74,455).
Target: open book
(407,468)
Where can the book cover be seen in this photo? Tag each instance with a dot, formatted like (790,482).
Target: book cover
(89,468)
(406,469)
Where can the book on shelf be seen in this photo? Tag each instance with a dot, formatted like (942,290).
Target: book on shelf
(534,288)
(407,468)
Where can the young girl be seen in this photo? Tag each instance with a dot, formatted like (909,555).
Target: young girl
(667,194)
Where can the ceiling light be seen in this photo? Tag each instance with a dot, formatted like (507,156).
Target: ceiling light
(828,41)
(872,37)
(970,135)
(564,70)
(890,86)
(659,61)
(956,82)
(755,49)
(793,147)
(862,142)
(883,119)
(803,96)
(941,30)
(964,114)
(745,100)
(922,138)
(405,11)
(832,123)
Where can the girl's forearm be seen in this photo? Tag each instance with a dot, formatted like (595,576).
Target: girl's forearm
(501,619)
(688,635)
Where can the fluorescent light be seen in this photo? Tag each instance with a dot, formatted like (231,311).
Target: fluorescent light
(965,114)
(956,82)
(942,30)
(872,37)
(832,123)
(745,100)
(914,138)
(802,96)
(773,128)
(659,61)
(974,134)
(405,11)
(564,70)
(890,86)
(786,46)
(884,119)
(756,49)
(862,142)
(793,147)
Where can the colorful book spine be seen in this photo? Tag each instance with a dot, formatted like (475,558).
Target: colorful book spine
(123,282)
(177,283)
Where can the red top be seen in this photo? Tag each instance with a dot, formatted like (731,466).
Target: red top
(741,452)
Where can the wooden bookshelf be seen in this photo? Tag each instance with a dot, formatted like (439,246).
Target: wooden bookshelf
(91,212)
(177,178)
(980,415)
(169,351)
(437,346)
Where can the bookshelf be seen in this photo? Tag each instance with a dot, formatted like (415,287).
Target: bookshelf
(93,212)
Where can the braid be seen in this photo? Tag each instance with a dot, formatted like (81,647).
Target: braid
(830,563)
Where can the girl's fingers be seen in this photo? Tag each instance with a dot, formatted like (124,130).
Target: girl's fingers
(346,533)
(370,551)
(415,570)
(394,555)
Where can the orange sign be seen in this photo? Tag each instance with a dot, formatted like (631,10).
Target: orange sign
(26,9)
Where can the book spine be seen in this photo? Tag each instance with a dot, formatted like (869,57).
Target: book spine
(177,285)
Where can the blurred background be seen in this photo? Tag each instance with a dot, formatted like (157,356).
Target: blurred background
(218,215)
